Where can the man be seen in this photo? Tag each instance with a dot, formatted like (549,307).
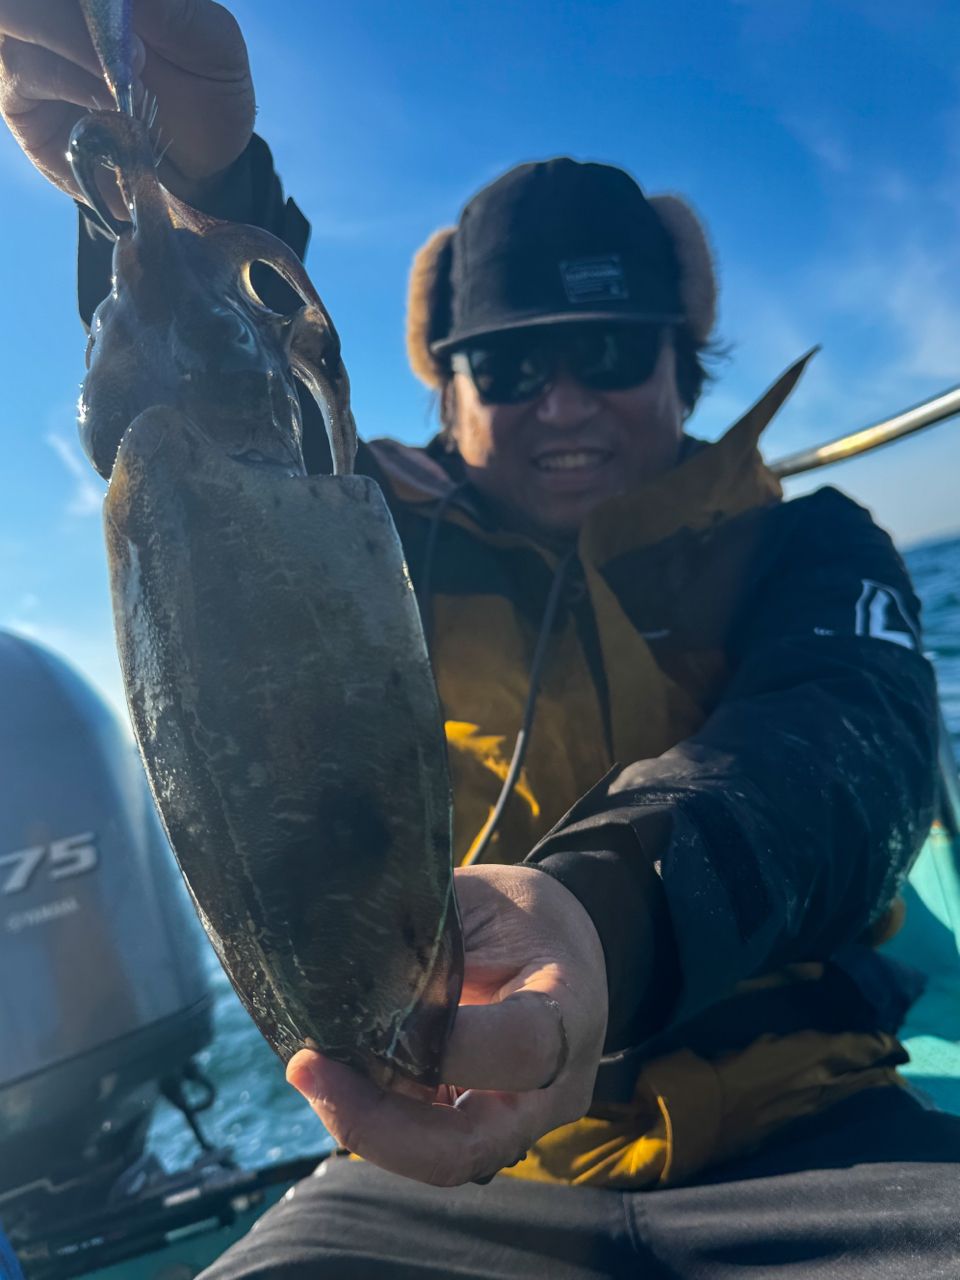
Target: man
(677,1050)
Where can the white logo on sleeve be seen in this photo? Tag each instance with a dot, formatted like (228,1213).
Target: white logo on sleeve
(881,613)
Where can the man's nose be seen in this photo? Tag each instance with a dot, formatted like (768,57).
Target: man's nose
(566,402)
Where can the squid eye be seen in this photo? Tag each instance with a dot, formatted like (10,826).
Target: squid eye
(246,337)
(238,330)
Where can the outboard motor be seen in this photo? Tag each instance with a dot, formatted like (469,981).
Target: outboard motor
(103,990)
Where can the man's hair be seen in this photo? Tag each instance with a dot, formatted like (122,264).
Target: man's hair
(693,371)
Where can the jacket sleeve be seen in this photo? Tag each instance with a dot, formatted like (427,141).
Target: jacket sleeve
(250,191)
(785,826)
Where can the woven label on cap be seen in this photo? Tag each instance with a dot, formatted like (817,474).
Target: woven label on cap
(594,279)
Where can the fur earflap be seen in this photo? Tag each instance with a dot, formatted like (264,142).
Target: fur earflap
(698,281)
(428,304)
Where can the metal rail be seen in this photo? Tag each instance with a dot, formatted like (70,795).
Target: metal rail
(941,407)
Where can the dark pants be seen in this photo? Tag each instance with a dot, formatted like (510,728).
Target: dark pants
(870,1188)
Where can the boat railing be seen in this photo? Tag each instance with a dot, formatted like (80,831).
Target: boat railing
(926,414)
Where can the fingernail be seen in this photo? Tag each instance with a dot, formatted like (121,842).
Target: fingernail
(303,1076)
(563,1052)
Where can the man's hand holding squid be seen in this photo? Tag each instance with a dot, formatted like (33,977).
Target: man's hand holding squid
(523,1053)
(190,56)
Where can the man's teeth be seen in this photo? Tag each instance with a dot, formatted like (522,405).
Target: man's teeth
(570,461)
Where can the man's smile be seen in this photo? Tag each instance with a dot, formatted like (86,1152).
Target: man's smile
(572,471)
(585,459)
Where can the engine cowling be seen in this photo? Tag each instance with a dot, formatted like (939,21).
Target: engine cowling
(103,988)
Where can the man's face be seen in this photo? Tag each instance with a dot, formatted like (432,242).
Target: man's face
(546,462)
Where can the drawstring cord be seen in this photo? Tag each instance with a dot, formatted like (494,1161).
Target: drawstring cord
(429,556)
(486,832)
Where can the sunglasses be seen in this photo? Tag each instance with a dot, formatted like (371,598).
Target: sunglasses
(508,368)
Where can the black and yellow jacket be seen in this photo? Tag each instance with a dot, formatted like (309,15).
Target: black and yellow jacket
(731,764)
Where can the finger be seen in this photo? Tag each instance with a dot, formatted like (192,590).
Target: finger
(43,136)
(57,25)
(441,1145)
(198,36)
(518,1044)
(30,75)
(197,67)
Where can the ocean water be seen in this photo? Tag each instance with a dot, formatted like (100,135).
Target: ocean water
(935,569)
(263,1120)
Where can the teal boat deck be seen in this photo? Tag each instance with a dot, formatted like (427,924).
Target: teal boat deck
(930,942)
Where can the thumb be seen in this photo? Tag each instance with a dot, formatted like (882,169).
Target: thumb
(515,1045)
(197,36)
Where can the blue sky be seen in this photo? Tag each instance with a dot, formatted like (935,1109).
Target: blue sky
(819,140)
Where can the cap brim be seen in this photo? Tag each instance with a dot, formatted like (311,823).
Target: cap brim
(559,317)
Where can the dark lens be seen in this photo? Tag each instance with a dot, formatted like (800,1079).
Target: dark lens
(613,359)
(507,370)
